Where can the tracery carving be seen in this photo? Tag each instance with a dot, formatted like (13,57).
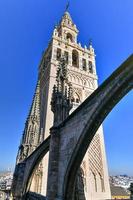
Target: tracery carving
(87,93)
(78,91)
(95,156)
(81,79)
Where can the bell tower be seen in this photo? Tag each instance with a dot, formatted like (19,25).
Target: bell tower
(81,69)
(82,78)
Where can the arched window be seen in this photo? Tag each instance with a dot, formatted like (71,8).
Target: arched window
(90,67)
(66,54)
(58,55)
(84,64)
(69,37)
(75,58)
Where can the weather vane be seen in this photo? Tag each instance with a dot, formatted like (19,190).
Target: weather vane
(90,41)
(67,5)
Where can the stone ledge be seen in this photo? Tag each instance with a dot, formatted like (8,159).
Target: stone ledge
(34,196)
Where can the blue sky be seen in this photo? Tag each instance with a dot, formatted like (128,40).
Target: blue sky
(25,29)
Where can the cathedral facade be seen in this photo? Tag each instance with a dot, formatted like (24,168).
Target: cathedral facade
(82,75)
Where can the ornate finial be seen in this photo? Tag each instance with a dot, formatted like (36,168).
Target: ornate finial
(61,75)
(61,102)
(67,6)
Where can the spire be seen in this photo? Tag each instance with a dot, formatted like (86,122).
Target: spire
(66,29)
(66,17)
(66,20)
(62,94)
(30,139)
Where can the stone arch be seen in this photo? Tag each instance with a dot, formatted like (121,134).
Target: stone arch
(75,58)
(105,98)
(36,180)
(37,159)
(69,36)
(99,105)
(27,167)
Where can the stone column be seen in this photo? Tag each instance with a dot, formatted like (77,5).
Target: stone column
(52,186)
(18,178)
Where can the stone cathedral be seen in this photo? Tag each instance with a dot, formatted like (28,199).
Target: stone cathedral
(92,181)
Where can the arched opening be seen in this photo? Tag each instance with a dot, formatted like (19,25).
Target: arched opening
(66,54)
(58,55)
(90,67)
(69,37)
(36,182)
(35,168)
(75,59)
(84,64)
